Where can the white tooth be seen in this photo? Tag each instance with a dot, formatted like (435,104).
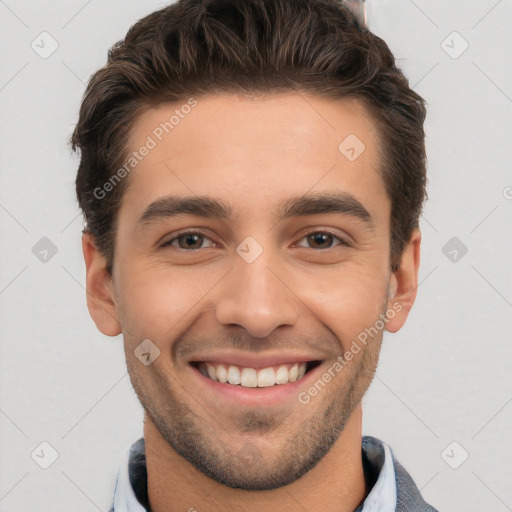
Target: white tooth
(222,373)
(293,373)
(282,375)
(233,375)
(249,378)
(211,371)
(266,377)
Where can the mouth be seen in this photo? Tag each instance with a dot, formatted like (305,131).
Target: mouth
(251,377)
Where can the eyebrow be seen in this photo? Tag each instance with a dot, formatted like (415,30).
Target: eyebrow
(308,204)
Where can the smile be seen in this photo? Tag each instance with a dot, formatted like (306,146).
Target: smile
(248,377)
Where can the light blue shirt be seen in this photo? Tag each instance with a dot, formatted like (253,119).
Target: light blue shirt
(124,496)
(382,497)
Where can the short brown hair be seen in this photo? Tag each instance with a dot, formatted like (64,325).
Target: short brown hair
(200,47)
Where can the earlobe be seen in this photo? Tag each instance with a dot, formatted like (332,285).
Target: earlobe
(403,284)
(100,294)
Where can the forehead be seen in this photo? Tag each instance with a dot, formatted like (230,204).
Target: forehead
(243,149)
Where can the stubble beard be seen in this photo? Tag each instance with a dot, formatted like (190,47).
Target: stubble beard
(302,443)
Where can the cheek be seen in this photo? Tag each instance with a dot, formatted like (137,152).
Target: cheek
(347,304)
(156,302)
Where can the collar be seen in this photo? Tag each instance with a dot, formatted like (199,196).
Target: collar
(382,496)
(392,488)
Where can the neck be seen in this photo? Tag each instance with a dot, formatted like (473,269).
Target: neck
(335,484)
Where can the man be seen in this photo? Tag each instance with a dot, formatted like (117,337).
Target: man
(252,173)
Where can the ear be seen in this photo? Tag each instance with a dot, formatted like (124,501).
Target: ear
(100,290)
(403,284)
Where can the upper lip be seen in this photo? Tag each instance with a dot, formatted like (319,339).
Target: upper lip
(249,360)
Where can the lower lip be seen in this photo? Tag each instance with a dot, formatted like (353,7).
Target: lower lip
(267,396)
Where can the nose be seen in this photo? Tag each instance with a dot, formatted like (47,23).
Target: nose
(255,296)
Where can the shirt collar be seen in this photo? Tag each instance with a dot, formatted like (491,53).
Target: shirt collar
(124,495)
(382,497)
(131,486)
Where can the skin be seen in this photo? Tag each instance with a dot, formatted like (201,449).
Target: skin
(253,153)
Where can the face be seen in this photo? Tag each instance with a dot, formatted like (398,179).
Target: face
(250,247)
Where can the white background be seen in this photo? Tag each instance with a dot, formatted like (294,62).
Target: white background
(446,377)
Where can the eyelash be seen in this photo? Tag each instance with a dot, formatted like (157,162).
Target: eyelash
(181,234)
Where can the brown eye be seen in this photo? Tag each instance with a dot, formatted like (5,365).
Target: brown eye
(322,240)
(188,241)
